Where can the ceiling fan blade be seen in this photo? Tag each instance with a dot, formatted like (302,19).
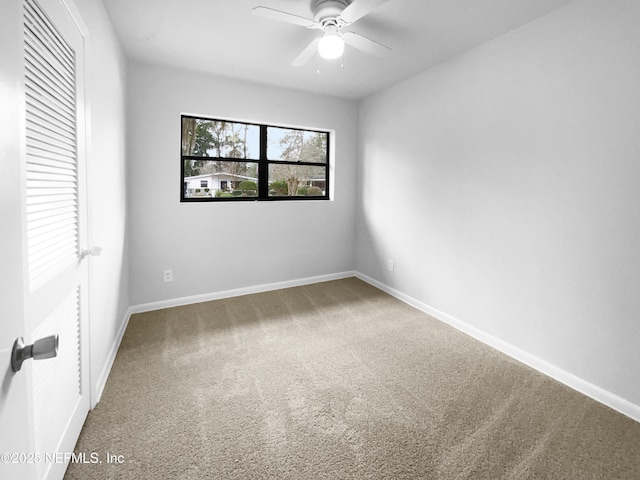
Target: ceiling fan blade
(365,44)
(306,54)
(359,8)
(267,12)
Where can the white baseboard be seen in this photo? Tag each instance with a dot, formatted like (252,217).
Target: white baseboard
(207,297)
(576,383)
(111,357)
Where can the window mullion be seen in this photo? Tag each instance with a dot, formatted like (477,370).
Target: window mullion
(263,166)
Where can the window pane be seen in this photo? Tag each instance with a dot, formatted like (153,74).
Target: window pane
(296,145)
(224,179)
(297,180)
(216,138)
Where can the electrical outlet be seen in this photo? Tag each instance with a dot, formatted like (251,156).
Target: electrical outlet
(168,276)
(390,265)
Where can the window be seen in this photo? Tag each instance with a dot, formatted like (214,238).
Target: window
(235,161)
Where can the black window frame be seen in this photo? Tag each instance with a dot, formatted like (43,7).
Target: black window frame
(263,163)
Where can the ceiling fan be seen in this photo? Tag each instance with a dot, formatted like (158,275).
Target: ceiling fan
(330,16)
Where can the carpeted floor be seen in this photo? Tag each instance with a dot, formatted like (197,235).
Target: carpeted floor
(337,380)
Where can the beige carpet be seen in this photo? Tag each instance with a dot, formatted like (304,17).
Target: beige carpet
(337,380)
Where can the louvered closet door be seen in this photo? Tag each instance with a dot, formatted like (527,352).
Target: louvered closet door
(55,227)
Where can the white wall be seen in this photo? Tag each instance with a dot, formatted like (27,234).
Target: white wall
(519,212)
(106,166)
(215,247)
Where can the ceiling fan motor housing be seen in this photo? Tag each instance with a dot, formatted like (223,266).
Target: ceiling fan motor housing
(328,9)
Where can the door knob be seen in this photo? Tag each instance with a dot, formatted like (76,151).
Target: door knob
(44,348)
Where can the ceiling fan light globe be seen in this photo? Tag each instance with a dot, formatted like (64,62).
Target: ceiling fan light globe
(331,46)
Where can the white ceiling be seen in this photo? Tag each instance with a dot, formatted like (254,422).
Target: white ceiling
(222,37)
